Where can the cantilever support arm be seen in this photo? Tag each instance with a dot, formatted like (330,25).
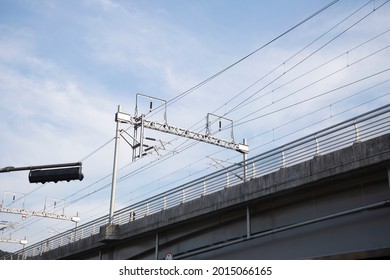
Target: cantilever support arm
(11,168)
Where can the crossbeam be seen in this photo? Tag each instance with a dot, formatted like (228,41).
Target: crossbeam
(10,240)
(163,127)
(42,214)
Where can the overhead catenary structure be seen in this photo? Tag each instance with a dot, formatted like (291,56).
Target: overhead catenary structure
(141,123)
(16,241)
(5,225)
(162,127)
(42,214)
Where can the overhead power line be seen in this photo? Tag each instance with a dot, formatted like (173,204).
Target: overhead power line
(248,100)
(187,92)
(311,98)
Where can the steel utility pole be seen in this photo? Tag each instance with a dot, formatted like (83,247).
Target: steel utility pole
(114,170)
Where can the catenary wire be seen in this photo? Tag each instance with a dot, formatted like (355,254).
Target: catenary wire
(187,92)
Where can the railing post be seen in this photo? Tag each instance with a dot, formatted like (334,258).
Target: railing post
(283,158)
(183,195)
(227,179)
(317,146)
(357,132)
(253,170)
(245,157)
(41,250)
(204,187)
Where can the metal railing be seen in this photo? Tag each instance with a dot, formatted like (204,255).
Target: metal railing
(361,128)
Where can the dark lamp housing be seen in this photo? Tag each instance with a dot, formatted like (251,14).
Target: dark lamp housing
(55,175)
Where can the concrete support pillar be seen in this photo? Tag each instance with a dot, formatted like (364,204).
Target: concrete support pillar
(248,223)
(388,176)
(156,249)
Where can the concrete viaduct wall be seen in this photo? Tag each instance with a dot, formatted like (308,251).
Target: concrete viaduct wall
(332,206)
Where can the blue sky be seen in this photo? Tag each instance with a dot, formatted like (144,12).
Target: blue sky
(65,66)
